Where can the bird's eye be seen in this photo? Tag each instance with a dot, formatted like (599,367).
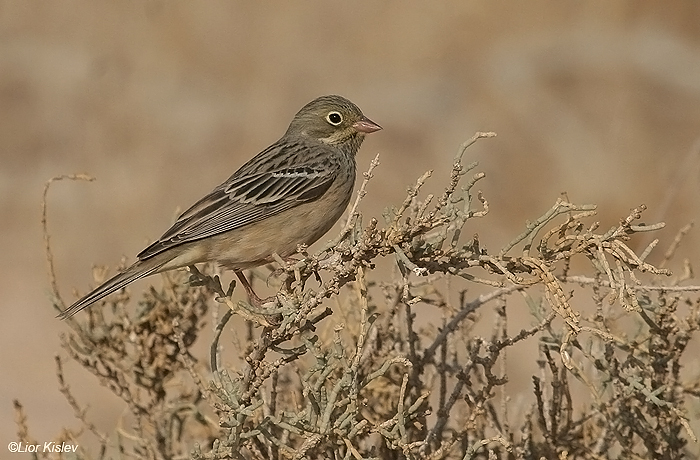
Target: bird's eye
(334,118)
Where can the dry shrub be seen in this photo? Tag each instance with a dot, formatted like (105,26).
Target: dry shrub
(371,379)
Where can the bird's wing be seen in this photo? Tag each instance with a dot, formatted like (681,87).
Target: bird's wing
(300,173)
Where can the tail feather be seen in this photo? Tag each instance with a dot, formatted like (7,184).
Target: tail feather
(137,271)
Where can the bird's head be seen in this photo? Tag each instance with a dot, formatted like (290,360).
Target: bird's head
(333,120)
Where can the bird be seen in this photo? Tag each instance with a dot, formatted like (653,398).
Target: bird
(289,194)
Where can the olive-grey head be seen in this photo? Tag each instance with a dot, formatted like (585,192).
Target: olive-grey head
(332,120)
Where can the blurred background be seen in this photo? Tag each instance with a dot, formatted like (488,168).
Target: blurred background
(161,101)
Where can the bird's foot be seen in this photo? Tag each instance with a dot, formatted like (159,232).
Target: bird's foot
(262,305)
(258,314)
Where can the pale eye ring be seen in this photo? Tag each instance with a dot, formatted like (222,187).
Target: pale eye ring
(334,118)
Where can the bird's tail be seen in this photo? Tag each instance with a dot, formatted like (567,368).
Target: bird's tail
(137,271)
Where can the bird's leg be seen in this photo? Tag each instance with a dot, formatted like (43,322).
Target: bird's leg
(254,299)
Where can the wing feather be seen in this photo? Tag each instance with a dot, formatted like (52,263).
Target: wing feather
(279,178)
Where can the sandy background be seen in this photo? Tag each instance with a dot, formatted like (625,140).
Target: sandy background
(161,101)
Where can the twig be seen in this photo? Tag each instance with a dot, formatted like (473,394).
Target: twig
(58,301)
(353,214)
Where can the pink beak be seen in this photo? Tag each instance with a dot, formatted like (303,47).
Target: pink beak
(365,125)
